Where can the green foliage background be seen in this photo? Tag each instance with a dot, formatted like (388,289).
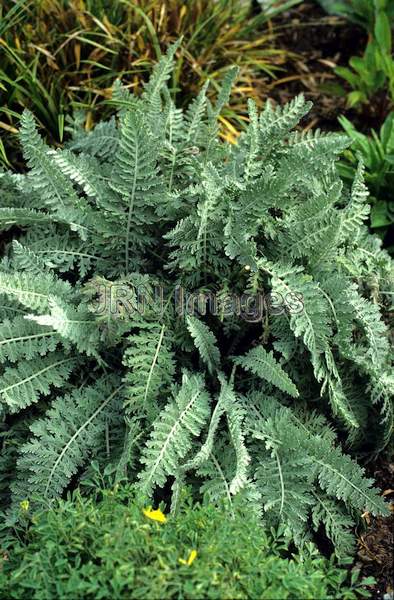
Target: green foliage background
(103,546)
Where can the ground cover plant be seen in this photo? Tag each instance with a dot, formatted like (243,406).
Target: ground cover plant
(107,545)
(233,391)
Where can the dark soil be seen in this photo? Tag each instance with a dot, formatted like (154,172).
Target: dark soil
(376,542)
(322,43)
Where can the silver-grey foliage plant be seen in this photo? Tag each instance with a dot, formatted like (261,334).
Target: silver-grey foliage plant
(154,197)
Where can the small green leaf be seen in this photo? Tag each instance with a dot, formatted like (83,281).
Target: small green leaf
(380,216)
(383,32)
(348,75)
(355,98)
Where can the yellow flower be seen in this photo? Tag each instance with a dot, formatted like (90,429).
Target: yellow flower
(190,560)
(155,515)
(24,505)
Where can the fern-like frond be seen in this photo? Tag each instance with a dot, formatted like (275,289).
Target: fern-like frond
(224,399)
(311,320)
(154,88)
(298,461)
(61,252)
(74,324)
(173,433)
(235,418)
(150,371)
(284,479)
(101,142)
(343,478)
(194,117)
(33,291)
(135,177)
(337,523)
(23,385)
(263,364)
(46,179)
(64,439)
(357,209)
(205,342)
(84,172)
(22,339)
(225,91)
(276,122)
(368,316)
(22,217)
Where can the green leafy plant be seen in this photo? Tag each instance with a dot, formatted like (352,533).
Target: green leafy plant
(375,70)
(108,546)
(377,153)
(360,12)
(135,283)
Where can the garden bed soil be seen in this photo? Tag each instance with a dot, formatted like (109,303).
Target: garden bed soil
(322,43)
(375,554)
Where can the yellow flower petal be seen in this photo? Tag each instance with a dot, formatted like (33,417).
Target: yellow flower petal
(192,556)
(155,515)
(190,560)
